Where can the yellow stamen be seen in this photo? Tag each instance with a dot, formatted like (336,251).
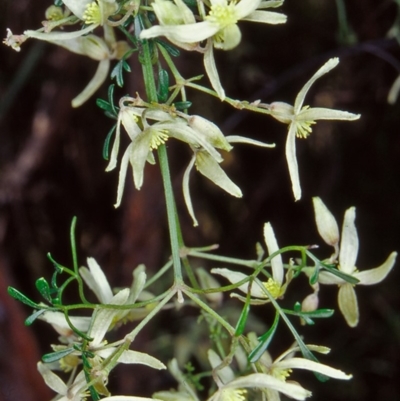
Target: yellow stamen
(233,394)
(159,137)
(223,15)
(273,288)
(282,374)
(303,128)
(92,14)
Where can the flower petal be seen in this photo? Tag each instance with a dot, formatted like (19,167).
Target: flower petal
(122,174)
(207,166)
(326,223)
(267,17)
(51,379)
(94,84)
(226,373)
(245,7)
(104,317)
(349,243)
(272,245)
(298,104)
(261,380)
(212,72)
(320,113)
(96,281)
(188,33)
(302,363)
(348,305)
(52,36)
(291,158)
(248,141)
(186,191)
(77,7)
(376,275)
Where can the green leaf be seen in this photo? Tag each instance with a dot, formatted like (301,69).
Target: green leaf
(337,272)
(43,287)
(172,50)
(182,105)
(241,324)
(265,340)
(163,85)
(117,72)
(57,355)
(30,319)
(21,297)
(106,145)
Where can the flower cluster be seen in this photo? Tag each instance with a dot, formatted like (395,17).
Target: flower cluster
(329,231)
(148,127)
(218,27)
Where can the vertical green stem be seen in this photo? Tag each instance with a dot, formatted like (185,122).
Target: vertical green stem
(173,223)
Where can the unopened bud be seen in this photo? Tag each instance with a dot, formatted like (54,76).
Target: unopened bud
(326,223)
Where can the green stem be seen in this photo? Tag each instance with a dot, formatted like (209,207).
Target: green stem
(173,224)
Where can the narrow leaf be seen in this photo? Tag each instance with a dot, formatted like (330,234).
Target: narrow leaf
(107,141)
(21,297)
(57,355)
(43,287)
(30,319)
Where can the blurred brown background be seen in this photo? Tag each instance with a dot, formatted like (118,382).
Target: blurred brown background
(51,169)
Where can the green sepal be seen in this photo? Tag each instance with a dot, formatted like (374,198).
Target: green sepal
(57,355)
(163,85)
(265,340)
(182,105)
(30,319)
(21,297)
(43,287)
(172,50)
(107,141)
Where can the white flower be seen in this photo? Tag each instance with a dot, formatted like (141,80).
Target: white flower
(282,367)
(347,299)
(233,389)
(300,118)
(219,27)
(274,285)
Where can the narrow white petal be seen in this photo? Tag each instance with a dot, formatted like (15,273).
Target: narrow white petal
(245,7)
(326,223)
(114,152)
(292,161)
(130,356)
(212,72)
(104,317)
(188,33)
(122,174)
(261,380)
(248,141)
(186,191)
(138,156)
(52,380)
(376,275)
(51,36)
(349,243)
(225,374)
(348,304)
(272,245)
(57,320)
(266,17)
(298,104)
(97,281)
(302,363)
(207,166)
(94,84)
(320,113)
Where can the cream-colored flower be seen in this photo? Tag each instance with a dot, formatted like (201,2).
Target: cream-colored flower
(274,285)
(282,367)
(219,27)
(234,389)
(300,119)
(347,298)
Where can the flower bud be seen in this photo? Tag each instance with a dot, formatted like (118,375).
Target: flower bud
(282,112)
(210,132)
(326,223)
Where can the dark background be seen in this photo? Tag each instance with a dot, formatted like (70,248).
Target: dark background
(51,169)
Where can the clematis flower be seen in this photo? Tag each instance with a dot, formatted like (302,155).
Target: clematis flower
(219,28)
(282,367)
(300,119)
(81,41)
(347,298)
(234,389)
(274,285)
